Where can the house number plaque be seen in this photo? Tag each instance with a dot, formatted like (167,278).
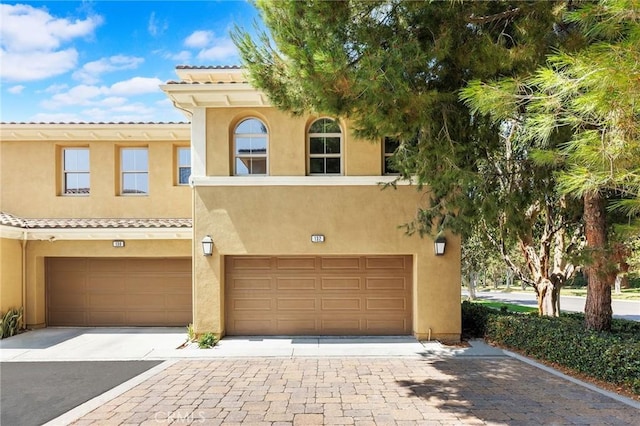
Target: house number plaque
(317,238)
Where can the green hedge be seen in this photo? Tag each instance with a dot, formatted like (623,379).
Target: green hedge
(610,356)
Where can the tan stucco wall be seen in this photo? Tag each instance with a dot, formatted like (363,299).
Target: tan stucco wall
(354,219)
(10,274)
(37,251)
(31,180)
(287,144)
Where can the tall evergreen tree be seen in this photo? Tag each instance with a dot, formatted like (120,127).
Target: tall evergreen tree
(593,93)
(395,68)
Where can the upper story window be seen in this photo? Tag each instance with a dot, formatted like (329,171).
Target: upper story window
(135,171)
(183,163)
(250,147)
(75,171)
(390,146)
(325,147)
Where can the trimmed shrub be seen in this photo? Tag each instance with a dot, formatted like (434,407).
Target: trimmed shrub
(613,357)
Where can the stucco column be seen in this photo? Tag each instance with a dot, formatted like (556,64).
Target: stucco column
(199,142)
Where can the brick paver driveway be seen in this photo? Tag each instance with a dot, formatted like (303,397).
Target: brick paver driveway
(361,391)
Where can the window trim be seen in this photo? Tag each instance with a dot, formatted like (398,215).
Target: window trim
(178,166)
(237,155)
(64,171)
(325,155)
(122,171)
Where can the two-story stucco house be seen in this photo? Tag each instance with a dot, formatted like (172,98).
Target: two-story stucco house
(112,224)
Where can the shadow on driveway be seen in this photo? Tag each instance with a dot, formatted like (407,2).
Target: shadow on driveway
(35,392)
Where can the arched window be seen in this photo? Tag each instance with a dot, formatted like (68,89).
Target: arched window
(250,141)
(325,147)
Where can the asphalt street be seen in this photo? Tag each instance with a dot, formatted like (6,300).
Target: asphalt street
(627,309)
(32,393)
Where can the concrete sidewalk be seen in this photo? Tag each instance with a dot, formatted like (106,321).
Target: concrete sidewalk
(123,344)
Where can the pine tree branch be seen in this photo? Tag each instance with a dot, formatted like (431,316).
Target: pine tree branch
(492,18)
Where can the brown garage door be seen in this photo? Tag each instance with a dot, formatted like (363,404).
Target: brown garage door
(318,295)
(118,292)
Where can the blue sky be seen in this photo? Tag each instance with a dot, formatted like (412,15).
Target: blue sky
(92,61)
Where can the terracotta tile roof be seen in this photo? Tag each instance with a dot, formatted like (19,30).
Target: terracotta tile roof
(93,223)
(209,67)
(206,82)
(11,220)
(97,122)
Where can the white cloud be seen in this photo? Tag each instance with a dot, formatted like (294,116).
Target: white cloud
(58,117)
(183,56)
(31,40)
(112,102)
(78,95)
(113,96)
(56,88)
(91,71)
(222,50)
(16,90)
(155,27)
(137,86)
(199,39)
(29,66)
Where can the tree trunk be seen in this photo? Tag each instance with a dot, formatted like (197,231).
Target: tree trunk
(548,298)
(618,282)
(597,309)
(473,282)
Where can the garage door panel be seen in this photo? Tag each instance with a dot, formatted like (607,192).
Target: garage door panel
(250,263)
(296,263)
(342,263)
(347,284)
(251,283)
(255,304)
(68,264)
(253,327)
(374,326)
(71,281)
(296,283)
(104,265)
(296,304)
(119,292)
(296,326)
(386,304)
(341,304)
(343,326)
(111,302)
(146,302)
(105,318)
(388,283)
(107,284)
(180,302)
(67,317)
(385,262)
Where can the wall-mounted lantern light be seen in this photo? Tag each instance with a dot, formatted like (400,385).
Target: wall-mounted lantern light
(439,245)
(207,245)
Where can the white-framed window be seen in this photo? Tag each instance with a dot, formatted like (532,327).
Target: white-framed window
(183,164)
(325,147)
(250,141)
(390,146)
(75,171)
(134,171)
